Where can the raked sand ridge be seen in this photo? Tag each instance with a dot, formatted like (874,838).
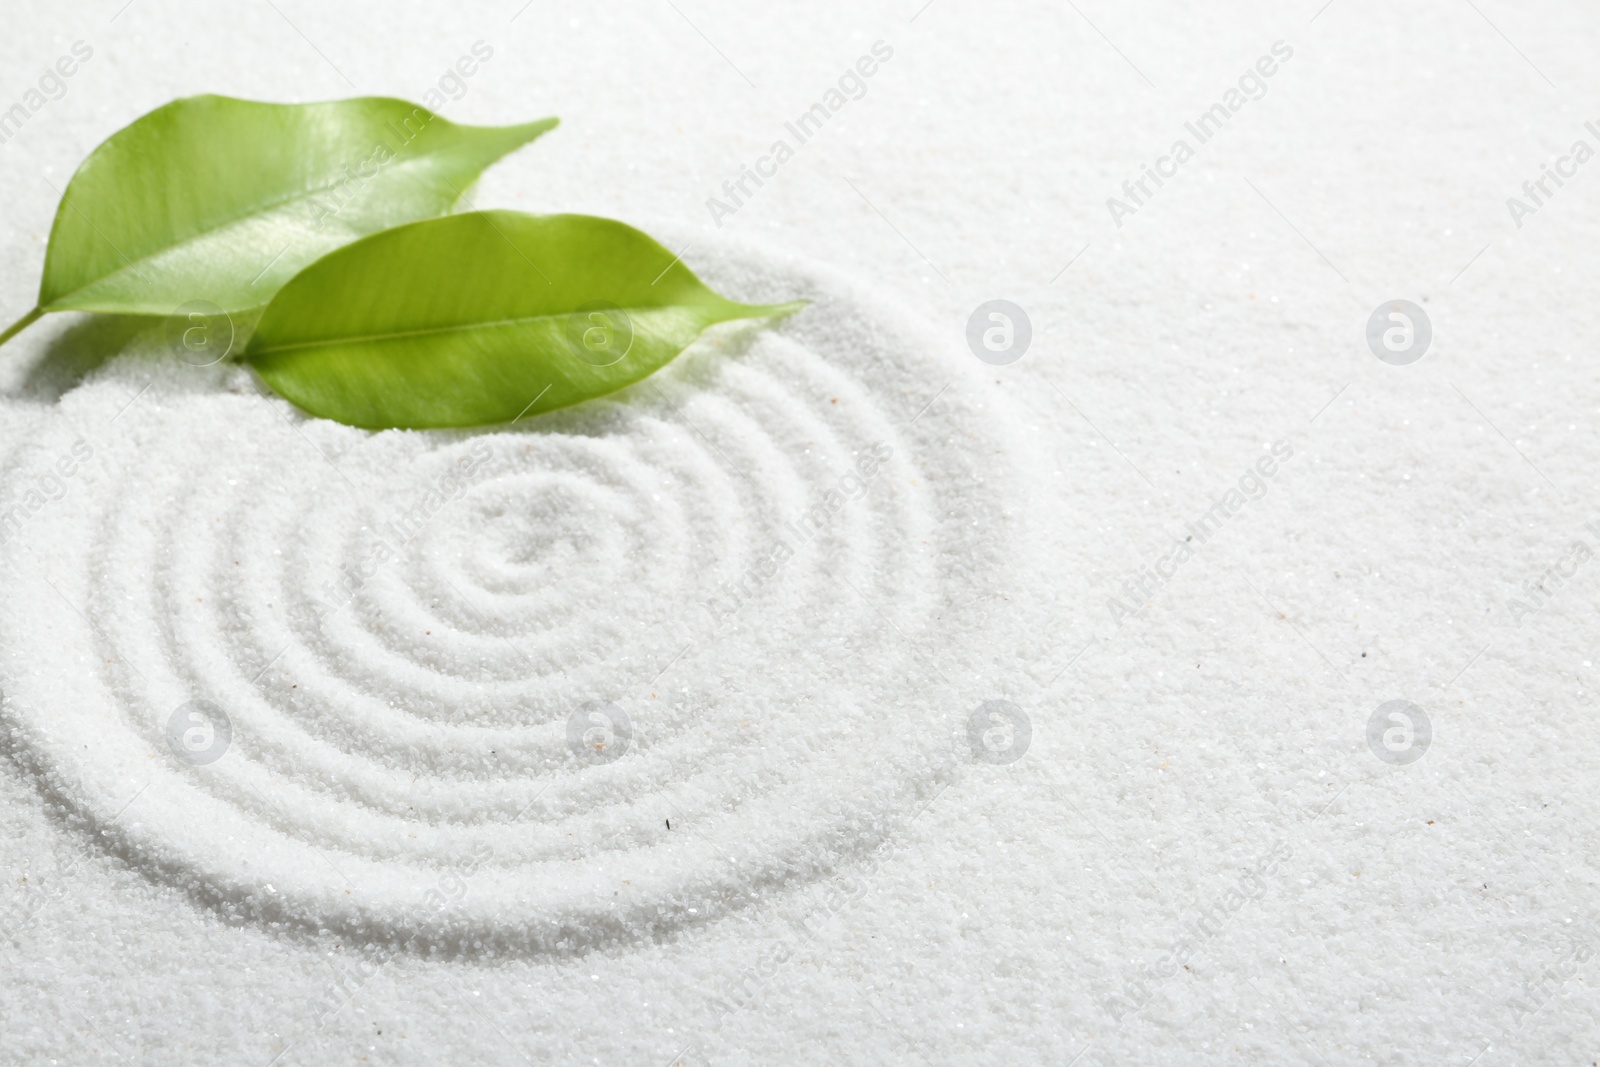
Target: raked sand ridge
(582,679)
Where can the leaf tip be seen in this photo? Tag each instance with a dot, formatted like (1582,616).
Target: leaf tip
(779,311)
(539,127)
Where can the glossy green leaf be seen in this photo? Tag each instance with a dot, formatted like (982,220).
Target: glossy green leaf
(482,318)
(216,200)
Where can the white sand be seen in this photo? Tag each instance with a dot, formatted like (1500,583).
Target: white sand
(741,559)
(399,858)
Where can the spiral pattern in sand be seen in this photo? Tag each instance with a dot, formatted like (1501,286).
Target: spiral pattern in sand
(577,680)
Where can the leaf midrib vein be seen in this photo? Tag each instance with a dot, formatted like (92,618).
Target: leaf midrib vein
(399,335)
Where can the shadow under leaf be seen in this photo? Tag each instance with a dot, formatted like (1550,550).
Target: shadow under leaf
(79,350)
(83,347)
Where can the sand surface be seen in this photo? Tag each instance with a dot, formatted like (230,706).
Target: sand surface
(1197,687)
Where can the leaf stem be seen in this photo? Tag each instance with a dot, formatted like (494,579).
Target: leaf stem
(21,324)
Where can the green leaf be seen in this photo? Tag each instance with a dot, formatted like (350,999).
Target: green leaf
(220,201)
(482,318)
